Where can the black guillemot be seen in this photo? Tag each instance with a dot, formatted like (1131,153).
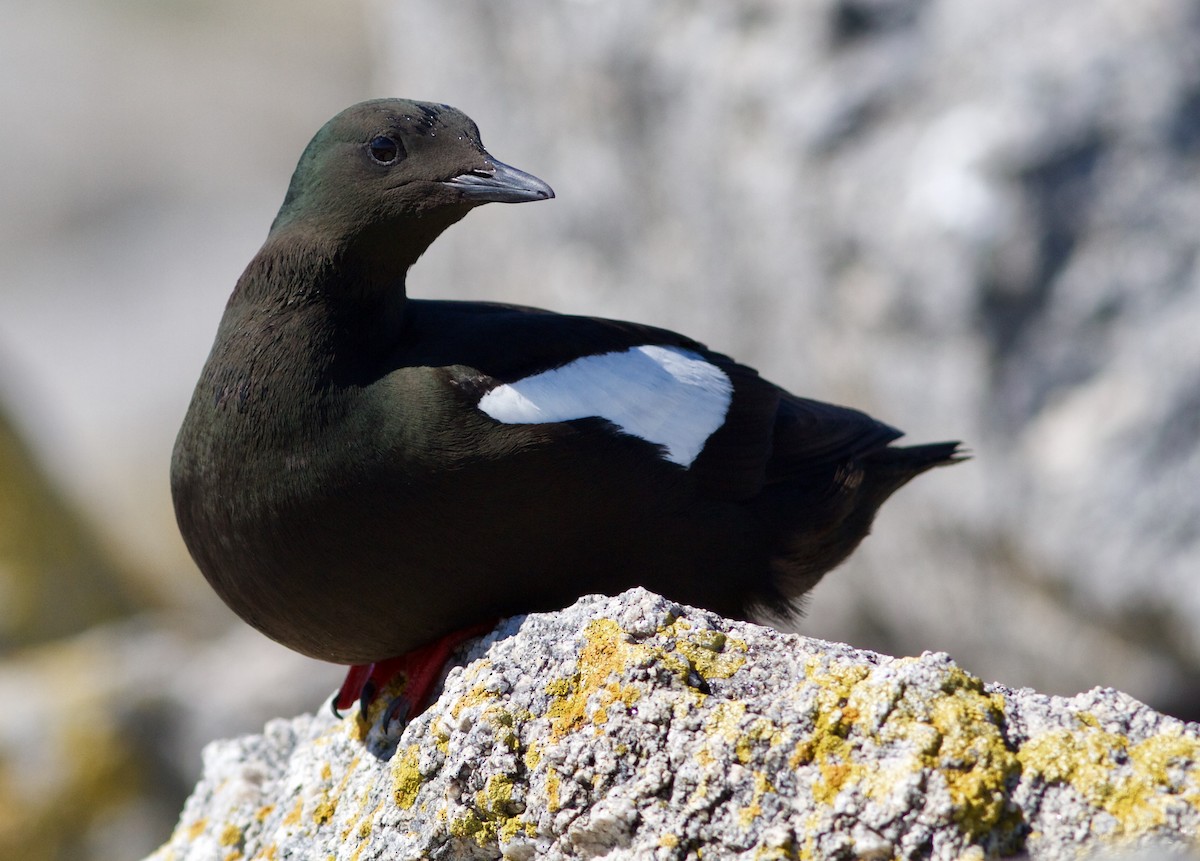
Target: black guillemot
(362,476)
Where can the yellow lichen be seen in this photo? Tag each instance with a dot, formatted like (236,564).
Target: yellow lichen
(293,816)
(585,696)
(358,726)
(956,735)
(492,816)
(553,787)
(469,825)
(365,826)
(973,754)
(406,777)
(668,841)
(959,736)
(359,817)
(605,654)
(476,696)
(760,730)
(709,652)
(231,835)
(1134,783)
(324,810)
(505,725)
(828,747)
(514,825)
(753,810)
(723,726)
(441,736)
(780,848)
(725,721)
(496,793)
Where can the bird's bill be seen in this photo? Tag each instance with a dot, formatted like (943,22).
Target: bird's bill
(500,183)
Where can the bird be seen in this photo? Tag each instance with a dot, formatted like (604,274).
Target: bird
(369,478)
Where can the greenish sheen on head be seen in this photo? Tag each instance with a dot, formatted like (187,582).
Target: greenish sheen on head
(394,160)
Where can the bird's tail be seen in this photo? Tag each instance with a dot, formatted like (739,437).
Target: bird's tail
(889,469)
(823,529)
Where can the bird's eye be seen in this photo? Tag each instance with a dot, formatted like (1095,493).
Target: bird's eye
(385,150)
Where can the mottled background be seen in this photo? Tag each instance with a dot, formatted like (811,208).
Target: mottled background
(976,221)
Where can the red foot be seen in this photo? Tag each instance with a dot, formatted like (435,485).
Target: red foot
(421,667)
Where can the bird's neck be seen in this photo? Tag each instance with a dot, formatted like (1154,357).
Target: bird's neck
(349,291)
(345,288)
(353,273)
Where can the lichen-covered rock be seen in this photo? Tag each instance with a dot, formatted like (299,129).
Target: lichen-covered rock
(633,727)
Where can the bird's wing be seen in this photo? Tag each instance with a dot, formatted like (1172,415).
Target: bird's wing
(511,342)
(731,429)
(812,435)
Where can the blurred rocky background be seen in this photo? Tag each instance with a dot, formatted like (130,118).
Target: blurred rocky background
(976,221)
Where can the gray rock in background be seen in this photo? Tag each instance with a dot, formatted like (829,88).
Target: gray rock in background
(143,161)
(976,221)
(633,728)
(147,147)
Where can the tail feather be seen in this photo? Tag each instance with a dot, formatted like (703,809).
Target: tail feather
(889,469)
(820,522)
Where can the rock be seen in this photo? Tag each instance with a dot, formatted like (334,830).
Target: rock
(113,279)
(108,726)
(633,727)
(55,579)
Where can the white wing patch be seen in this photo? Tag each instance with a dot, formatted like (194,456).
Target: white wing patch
(665,395)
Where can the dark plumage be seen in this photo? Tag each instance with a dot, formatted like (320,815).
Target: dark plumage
(354,475)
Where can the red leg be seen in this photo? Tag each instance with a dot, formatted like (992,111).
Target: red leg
(356,679)
(421,667)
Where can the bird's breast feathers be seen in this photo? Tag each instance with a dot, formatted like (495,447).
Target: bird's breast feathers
(668,396)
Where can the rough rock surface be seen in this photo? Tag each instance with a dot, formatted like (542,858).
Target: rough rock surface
(633,727)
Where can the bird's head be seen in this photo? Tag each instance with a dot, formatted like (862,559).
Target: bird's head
(395,164)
